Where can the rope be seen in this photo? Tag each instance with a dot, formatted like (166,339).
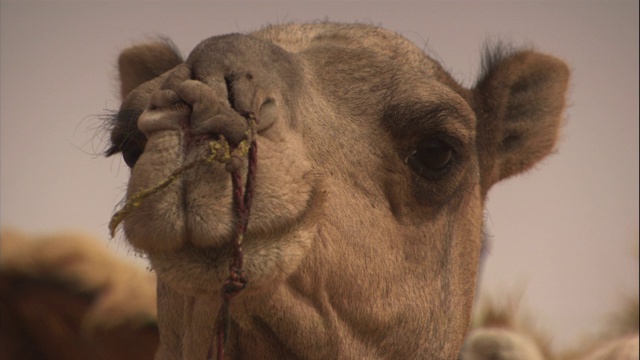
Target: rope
(223,152)
(237,280)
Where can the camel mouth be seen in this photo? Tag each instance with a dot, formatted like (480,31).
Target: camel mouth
(216,232)
(194,204)
(269,252)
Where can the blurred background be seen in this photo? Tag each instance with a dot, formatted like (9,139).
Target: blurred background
(565,235)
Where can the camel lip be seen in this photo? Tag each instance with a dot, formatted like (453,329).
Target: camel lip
(196,205)
(197,269)
(258,231)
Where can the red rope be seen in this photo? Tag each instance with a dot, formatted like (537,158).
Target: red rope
(237,280)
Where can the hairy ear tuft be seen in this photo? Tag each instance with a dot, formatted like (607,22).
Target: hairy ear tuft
(144,62)
(520,100)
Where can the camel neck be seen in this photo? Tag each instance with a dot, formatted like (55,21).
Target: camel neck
(186,324)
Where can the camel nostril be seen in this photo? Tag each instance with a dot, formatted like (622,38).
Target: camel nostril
(228,81)
(268,102)
(267,114)
(229,124)
(165,99)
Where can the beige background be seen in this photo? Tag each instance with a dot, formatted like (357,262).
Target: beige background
(564,234)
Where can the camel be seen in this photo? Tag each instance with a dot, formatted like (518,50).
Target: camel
(64,296)
(365,229)
(504,330)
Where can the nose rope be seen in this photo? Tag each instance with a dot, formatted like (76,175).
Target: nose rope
(223,152)
(237,280)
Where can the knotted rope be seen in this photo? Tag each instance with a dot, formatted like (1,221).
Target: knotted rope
(242,205)
(223,152)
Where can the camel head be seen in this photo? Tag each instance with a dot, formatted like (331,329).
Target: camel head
(365,230)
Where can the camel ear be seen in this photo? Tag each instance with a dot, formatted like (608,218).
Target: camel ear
(519,100)
(144,62)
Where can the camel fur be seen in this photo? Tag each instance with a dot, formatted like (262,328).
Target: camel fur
(373,168)
(119,319)
(64,296)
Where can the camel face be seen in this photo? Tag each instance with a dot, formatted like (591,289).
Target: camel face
(373,166)
(223,78)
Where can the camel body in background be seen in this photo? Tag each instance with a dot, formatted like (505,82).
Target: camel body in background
(365,230)
(65,297)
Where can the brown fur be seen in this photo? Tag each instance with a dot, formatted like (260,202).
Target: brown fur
(63,296)
(502,330)
(150,59)
(50,288)
(353,251)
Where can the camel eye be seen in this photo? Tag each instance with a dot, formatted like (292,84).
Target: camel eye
(125,136)
(131,154)
(432,159)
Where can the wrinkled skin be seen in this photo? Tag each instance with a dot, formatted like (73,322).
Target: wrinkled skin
(373,168)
